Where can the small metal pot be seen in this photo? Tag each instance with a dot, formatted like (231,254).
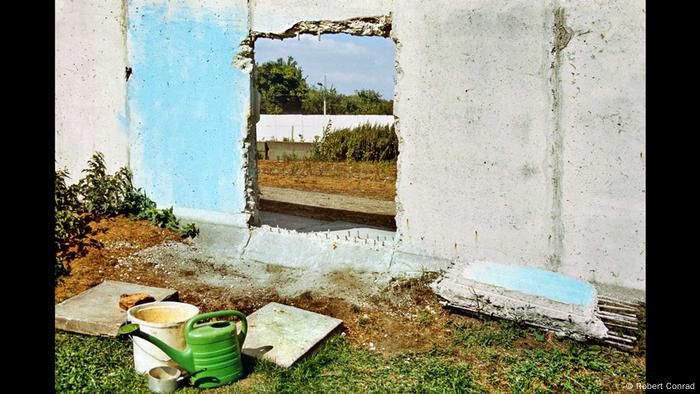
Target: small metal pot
(163,379)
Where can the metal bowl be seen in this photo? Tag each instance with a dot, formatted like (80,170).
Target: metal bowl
(163,379)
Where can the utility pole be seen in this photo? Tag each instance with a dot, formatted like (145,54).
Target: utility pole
(324,95)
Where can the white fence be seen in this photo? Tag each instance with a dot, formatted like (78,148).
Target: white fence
(278,127)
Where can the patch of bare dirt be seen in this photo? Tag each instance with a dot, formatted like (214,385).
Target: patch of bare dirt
(371,180)
(405,316)
(111,239)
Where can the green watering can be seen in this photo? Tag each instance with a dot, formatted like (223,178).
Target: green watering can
(213,352)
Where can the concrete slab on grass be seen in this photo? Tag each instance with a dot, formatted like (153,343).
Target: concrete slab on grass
(533,296)
(283,334)
(96,310)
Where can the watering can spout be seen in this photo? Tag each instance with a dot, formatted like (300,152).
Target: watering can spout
(183,358)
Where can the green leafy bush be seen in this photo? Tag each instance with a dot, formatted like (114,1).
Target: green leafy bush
(100,194)
(69,224)
(367,142)
(188,231)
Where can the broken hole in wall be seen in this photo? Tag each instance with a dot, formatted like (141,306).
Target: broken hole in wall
(325,138)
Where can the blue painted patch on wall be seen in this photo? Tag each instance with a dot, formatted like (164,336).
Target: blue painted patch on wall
(187,104)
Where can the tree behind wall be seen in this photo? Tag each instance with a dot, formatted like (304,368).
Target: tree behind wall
(313,102)
(282,86)
(369,102)
(284,90)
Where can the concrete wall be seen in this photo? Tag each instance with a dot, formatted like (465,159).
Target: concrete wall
(269,16)
(90,106)
(521,123)
(544,125)
(466,137)
(604,161)
(284,150)
(277,127)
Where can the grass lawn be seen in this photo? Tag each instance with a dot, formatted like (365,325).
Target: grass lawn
(498,356)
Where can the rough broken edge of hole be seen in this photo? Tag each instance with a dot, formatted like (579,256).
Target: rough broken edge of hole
(371,26)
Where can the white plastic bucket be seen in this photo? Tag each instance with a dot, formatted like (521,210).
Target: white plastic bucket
(165,321)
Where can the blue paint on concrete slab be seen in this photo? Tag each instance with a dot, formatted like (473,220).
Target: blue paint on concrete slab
(532,281)
(186,104)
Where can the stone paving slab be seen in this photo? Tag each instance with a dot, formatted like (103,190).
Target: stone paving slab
(96,310)
(283,334)
(533,296)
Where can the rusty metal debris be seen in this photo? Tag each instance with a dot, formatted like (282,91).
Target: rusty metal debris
(622,321)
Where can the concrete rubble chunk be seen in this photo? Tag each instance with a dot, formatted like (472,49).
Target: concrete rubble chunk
(96,311)
(541,298)
(283,334)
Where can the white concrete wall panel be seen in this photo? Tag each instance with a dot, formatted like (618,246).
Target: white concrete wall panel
(473,107)
(603,118)
(90,83)
(278,127)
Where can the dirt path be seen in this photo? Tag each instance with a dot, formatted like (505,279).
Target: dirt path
(329,207)
(326,200)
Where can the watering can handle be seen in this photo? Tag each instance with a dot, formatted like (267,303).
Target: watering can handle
(211,315)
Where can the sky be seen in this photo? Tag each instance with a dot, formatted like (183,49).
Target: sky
(349,62)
